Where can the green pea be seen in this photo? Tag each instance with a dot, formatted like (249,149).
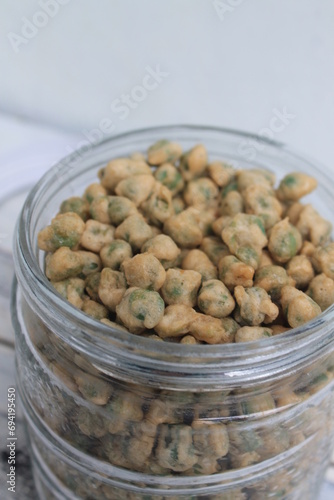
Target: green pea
(289,180)
(248,255)
(59,240)
(119,208)
(141,301)
(232,186)
(76,205)
(92,283)
(258,222)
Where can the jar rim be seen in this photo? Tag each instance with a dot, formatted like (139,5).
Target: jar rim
(93,337)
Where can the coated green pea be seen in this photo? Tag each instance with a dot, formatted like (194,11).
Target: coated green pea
(77,205)
(250,333)
(114,253)
(63,264)
(246,237)
(163,151)
(169,176)
(285,241)
(65,231)
(295,185)
(140,309)
(215,299)
(181,287)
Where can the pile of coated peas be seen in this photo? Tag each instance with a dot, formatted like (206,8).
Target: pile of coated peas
(175,248)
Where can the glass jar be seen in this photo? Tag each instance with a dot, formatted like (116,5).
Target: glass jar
(112,415)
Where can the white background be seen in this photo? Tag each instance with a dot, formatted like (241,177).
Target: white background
(230,70)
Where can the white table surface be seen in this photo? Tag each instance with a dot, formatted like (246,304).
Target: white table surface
(37,147)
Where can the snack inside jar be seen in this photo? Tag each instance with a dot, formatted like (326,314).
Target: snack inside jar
(173,248)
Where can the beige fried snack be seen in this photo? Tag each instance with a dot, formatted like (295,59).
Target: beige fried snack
(233,272)
(92,388)
(140,309)
(194,162)
(114,253)
(265,259)
(163,151)
(295,185)
(90,261)
(260,200)
(119,208)
(298,307)
(231,327)
(250,333)
(215,299)
(91,424)
(301,271)
(189,340)
(94,309)
(169,176)
(255,305)
(209,329)
(76,204)
(63,264)
(136,188)
(65,231)
(71,289)
(92,283)
(285,241)
(232,204)
(178,204)
(254,176)
(96,235)
(219,224)
(221,173)
(323,260)
(201,193)
(163,248)
(135,230)
(144,271)
(99,209)
(307,249)
(183,249)
(120,169)
(276,329)
(272,279)
(293,211)
(159,206)
(183,229)
(312,225)
(175,449)
(181,287)
(197,260)
(214,248)
(210,439)
(93,191)
(205,219)
(321,290)
(246,237)
(111,287)
(176,321)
